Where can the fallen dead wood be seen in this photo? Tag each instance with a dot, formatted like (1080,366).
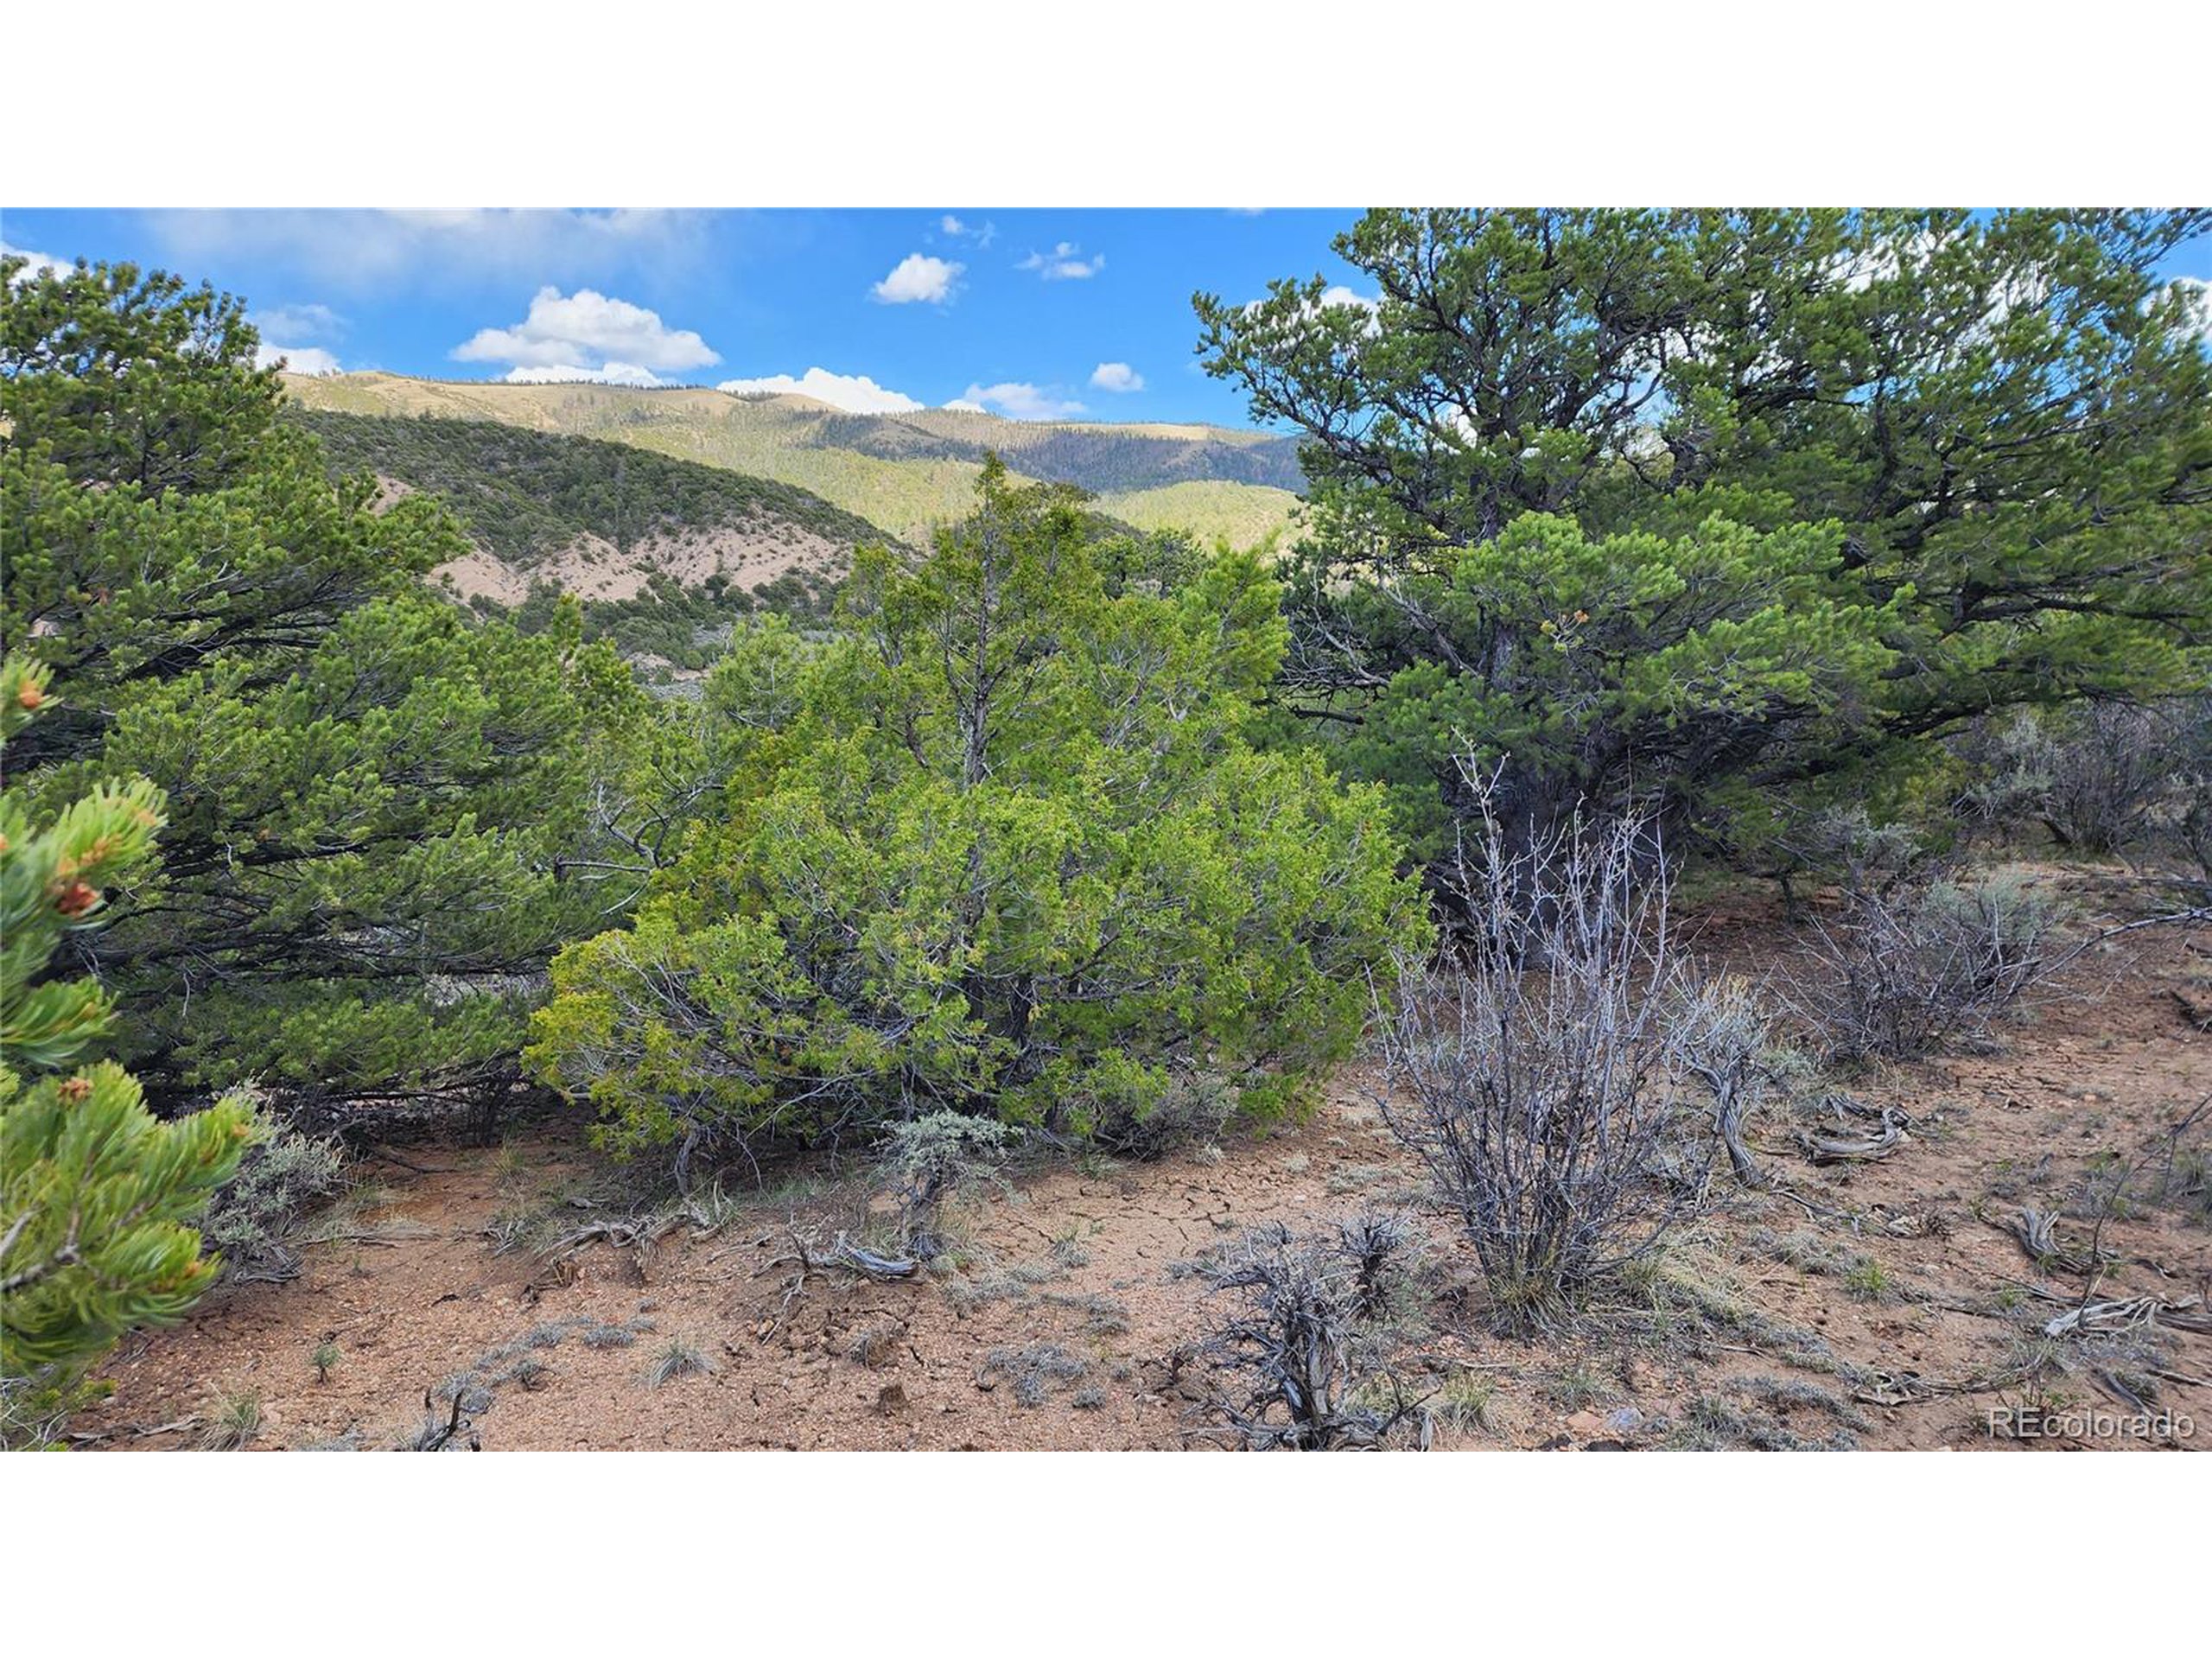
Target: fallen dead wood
(435,1436)
(842,1255)
(638,1233)
(2129,1314)
(2038,1234)
(384,1234)
(1910,1224)
(2189,917)
(92,1436)
(1863,1148)
(386,1155)
(1910,1388)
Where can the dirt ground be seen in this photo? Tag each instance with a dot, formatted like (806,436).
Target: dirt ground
(1881,1304)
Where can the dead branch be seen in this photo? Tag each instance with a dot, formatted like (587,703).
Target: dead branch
(1910,1388)
(92,1436)
(434,1436)
(2129,1314)
(1858,1148)
(2038,1234)
(842,1256)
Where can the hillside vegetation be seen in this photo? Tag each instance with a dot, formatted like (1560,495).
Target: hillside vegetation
(664,554)
(906,474)
(1099,458)
(525,495)
(1244,515)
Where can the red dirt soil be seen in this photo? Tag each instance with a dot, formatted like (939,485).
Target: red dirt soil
(1086,1258)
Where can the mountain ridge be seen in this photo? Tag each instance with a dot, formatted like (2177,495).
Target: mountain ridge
(905,472)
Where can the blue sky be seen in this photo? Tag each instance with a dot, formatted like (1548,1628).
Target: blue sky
(1026,312)
(1077,313)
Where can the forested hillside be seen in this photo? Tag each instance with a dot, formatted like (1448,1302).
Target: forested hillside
(1100,458)
(522,495)
(663,555)
(909,473)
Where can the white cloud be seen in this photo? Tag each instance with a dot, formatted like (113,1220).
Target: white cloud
(856,392)
(967,406)
(41,265)
(607,374)
(2199,290)
(590,329)
(298,359)
(369,250)
(1020,401)
(1064,263)
(960,231)
(919,277)
(1117,377)
(1862,268)
(298,322)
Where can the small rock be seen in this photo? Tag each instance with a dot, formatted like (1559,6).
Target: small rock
(891,1399)
(1626,1421)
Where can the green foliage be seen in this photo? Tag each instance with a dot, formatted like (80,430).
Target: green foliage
(1004,848)
(2101,778)
(687,627)
(95,1193)
(231,1420)
(379,808)
(1999,422)
(88,360)
(524,495)
(936,1157)
(1614,668)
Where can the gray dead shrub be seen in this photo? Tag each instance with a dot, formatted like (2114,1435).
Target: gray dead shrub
(1544,1079)
(253,1221)
(1902,972)
(1302,1343)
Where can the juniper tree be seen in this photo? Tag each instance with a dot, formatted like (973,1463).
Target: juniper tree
(1997,428)
(96,1195)
(1008,851)
(379,805)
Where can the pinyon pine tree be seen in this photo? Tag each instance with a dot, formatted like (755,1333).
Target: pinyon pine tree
(96,1194)
(1809,488)
(379,806)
